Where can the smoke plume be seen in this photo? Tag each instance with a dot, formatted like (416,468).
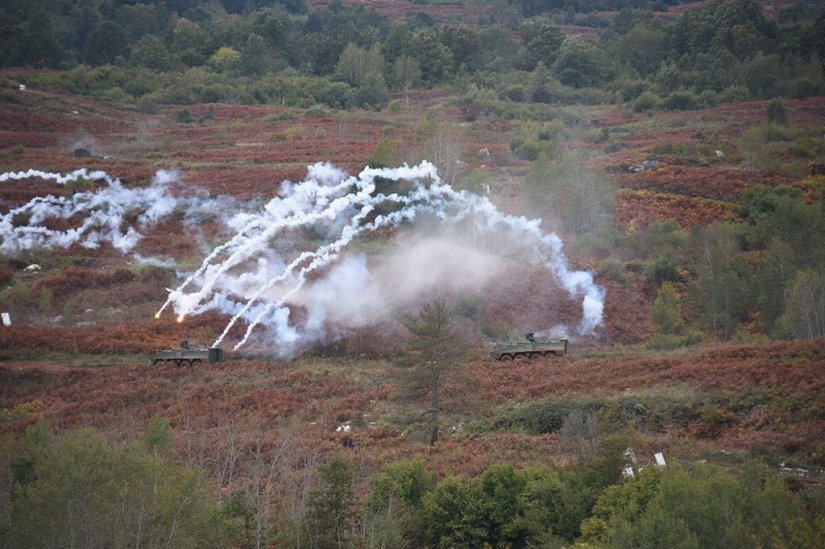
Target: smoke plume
(294,268)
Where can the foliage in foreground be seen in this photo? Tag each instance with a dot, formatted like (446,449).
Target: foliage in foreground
(73,489)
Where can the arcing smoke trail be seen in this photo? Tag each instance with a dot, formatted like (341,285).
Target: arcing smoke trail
(245,276)
(341,204)
(102,212)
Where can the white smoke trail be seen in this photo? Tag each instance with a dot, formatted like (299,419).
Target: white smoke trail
(101,212)
(263,291)
(250,276)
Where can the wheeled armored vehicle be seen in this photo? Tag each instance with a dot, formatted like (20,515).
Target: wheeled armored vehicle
(187,356)
(532,348)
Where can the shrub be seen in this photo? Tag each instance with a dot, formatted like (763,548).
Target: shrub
(613,268)
(280,116)
(74,488)
(184,116)
(734,93)
(681,101)
(647,101)
(777,113)
(668,342)
(317,111)
(665,269)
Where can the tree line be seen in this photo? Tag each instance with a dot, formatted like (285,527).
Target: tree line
(726,50)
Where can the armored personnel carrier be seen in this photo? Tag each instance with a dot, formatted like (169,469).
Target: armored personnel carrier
(187,356)
(532,348)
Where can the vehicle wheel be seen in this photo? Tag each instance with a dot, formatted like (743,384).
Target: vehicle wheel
(506,357)
(518,356)
(177,362)
(156,362)
(185,362)
(196,362)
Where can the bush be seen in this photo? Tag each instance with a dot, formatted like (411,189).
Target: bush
(777,113)
(668,342)
(317,111)
(613,268)
(665,269)
(280,116)
(734,94)
(184,116)
(681,101)
(75,489)
(647,101)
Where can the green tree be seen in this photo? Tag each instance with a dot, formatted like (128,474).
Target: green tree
(642,49)
(138,20)
(106,43)
(555,504)
(804,316)
(582,62)
(190,42)
(83,493)
(772,282)
(373,92)
(464,47)
(777,112)
(356,62)
(158,436)
(330,506)
(501,51)
(542,40)
(435,347)
(151,52)
(394,511)
(566,188)
(719,295)
(453,514)
(666,310)
(225,59)
(432,55)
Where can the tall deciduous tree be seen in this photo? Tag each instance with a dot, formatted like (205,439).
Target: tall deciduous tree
(804,316)
(720,292)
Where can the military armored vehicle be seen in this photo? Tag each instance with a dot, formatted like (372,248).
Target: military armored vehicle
(532,348)
(187,356)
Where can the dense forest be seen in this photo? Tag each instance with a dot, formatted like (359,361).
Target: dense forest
(677,148)
(344,56)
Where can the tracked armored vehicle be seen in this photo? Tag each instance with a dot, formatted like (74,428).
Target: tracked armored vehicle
(532,348)
(187,356)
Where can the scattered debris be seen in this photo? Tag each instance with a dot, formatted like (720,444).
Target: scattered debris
(82,153)
(719,154)
(646,165)
(6,319)
(660,459)
(22,87)
(345,428)
(627,472)
(33,268)
(483,153)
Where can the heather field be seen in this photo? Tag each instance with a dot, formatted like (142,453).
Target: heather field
(100,303)
(83,324)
